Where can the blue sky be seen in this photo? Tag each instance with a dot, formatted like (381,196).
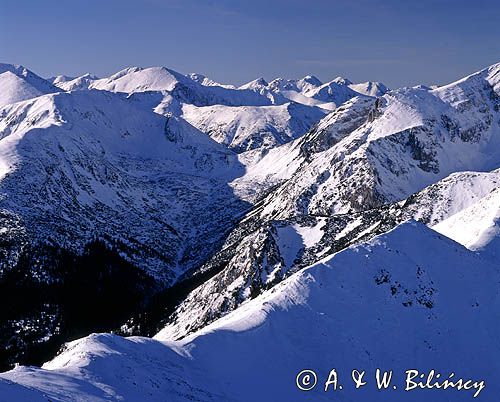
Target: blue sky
(398,42)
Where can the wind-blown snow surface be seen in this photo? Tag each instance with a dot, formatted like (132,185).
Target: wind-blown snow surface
(384,304)
(477,227)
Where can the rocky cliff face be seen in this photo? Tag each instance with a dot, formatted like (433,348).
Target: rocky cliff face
(259,254)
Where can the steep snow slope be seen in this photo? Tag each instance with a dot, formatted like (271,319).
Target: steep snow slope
(249,127)
(287,161)
(18,84)
(478,226)
(14,89)
(306,177)
(384,304)
(40,84)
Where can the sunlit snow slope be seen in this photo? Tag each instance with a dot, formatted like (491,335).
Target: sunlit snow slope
(408,299)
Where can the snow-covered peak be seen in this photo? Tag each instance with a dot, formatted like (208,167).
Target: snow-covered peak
(302,85)
(311,80)
(122,126)
(336,91)
(77,83)
(256,84)
(307,83)
(204,80)
(370,88)
(170,85)
(341,81)
(40,84)
(15,89)
(459,92)
(362,151)
(201,79)
(312,92)
(138,79)
(60,79)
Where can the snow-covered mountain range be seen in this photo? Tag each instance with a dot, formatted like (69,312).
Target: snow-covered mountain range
(383,304)
(231,216)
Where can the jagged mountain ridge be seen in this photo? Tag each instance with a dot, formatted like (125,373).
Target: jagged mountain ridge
(167,91)
(375,151)
(258,254)
(301,193)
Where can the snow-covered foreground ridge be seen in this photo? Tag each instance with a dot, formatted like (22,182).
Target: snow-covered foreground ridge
(408,299)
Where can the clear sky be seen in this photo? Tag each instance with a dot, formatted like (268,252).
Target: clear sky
(398,42)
